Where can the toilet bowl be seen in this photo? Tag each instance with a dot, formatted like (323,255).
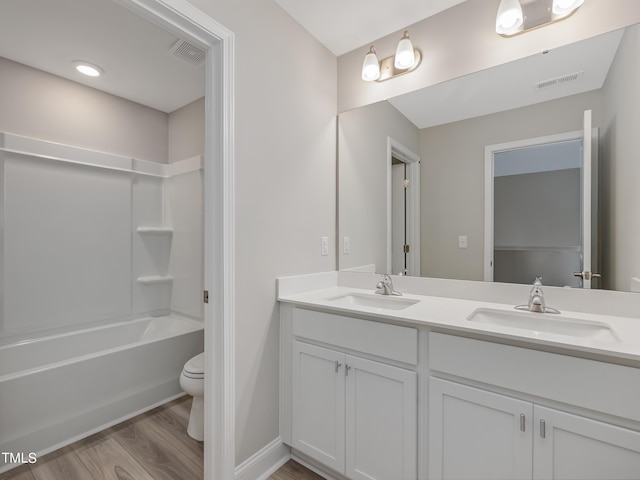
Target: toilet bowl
(192,382)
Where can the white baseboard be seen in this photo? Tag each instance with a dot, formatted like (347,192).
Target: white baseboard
(265,462)
(297,457)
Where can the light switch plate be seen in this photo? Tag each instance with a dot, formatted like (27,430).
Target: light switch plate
(324,246)
(462,241)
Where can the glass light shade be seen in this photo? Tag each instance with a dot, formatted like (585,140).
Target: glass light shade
(509,17)
(405,57)
(565,7)
(370,66)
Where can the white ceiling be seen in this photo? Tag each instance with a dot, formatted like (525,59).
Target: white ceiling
(512,85)
(49,35)
(344,25)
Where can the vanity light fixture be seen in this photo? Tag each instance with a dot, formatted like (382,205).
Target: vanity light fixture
(404,61)
(87,68)
(563,8)
(371,67)
(514,17)
(509,18)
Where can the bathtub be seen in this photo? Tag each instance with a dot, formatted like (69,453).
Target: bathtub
(59,388)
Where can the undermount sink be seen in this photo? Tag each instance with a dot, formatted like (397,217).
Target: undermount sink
(384,302)
(536,323)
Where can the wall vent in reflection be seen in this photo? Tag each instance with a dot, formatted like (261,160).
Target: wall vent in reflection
(558,81)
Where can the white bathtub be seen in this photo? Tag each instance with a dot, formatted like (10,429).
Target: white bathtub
(57,389)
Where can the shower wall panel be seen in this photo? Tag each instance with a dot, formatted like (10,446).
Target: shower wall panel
(89,237)
(184,207)
(67,243)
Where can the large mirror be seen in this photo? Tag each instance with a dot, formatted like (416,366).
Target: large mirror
(442,199)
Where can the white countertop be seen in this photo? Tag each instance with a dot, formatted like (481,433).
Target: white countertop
(452,314)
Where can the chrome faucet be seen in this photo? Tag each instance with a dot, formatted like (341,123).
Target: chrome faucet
(536,300)
(385,286)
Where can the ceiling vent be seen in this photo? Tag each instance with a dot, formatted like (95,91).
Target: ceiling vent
(189,53)
(558,81)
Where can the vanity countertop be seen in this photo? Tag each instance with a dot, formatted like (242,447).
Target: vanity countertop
(453,315)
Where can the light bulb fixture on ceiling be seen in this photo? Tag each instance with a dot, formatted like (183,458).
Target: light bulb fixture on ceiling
(404,61)
(87,68)
(514,17)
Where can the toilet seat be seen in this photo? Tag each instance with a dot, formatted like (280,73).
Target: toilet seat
(194,368)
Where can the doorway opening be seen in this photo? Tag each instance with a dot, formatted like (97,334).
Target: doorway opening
(194,26)
(403,210)
(541,209)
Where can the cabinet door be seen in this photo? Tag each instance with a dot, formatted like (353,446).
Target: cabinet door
(568,446)
(318,403)
(381,428)
(474,434)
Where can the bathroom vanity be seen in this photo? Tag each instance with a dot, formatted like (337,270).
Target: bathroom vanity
(418,386)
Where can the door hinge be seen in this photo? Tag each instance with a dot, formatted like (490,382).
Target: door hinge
(205,296)
(405,183)
(405,248)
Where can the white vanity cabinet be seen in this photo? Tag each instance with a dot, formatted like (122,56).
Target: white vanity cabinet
(478,434)
(568,446)
(355,415)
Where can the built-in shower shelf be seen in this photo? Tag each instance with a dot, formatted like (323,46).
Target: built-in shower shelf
(155,279)
(155,230)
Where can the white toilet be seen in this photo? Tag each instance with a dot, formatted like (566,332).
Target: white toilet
(192,382)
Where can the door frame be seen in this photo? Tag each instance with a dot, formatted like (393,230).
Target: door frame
(412,159)
(188,22)
(489,153)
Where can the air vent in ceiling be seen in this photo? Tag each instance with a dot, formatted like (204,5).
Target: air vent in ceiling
(558,81)
(189,53)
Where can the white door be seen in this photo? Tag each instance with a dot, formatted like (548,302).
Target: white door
(589,202)
(572,447)
(475,434)
(318,403)
(381,429)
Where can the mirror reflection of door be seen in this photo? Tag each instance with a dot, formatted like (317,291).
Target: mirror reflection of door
(403,210)
(537,228)
(399,243)
(544,211)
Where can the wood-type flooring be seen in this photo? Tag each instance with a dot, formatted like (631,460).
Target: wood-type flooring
(151,446)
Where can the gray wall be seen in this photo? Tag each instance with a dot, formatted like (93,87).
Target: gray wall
(44,106)
(537,227)
(621,171)
(285,153)
(452,177)
(186,131)
(539,209)
(362,166)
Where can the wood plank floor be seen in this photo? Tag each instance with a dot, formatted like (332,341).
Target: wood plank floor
(294,471)
(151,446)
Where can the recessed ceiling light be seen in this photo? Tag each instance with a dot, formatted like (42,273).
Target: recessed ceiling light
(86,68)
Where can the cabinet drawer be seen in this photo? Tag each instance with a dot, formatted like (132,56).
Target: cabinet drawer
(604,387)
(381,339)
